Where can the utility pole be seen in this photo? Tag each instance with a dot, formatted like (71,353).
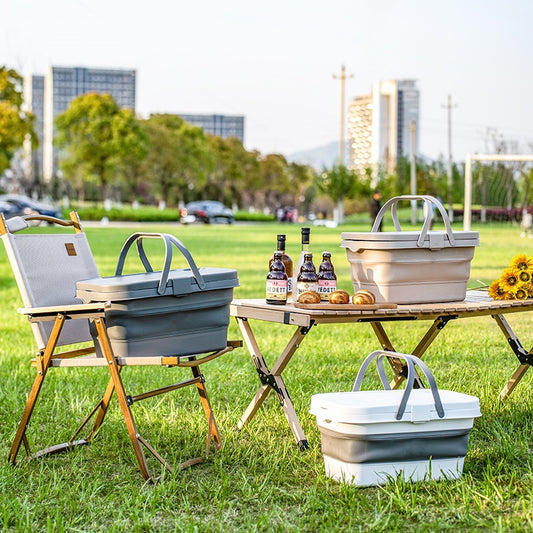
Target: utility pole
(343,79)
(413,173)
(449,107)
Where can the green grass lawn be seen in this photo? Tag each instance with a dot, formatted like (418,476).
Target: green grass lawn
(261,481)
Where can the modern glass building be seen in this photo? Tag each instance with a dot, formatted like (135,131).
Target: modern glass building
(379,125)
(222,125)
(52,93)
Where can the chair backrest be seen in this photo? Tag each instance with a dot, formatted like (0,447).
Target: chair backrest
(46,268)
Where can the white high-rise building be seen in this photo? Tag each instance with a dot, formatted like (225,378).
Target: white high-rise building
(51,94)
(379,126)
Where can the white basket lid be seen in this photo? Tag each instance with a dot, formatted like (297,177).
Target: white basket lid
(389,240)
(378,406)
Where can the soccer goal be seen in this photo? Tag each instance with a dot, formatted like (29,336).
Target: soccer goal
(467,216)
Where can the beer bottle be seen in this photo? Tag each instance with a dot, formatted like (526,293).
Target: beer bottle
(287,262)
(307,279)
(305,249)
(327,280)
(276,282)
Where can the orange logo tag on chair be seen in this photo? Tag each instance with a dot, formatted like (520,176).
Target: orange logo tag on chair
(70,248)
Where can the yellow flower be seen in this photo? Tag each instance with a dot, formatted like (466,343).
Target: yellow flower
(524,276)
(522,262)
(529,289)
(521,294)
(496,291)
(509,279)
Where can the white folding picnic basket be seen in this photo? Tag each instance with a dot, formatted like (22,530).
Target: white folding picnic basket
(411,266)
(369,436)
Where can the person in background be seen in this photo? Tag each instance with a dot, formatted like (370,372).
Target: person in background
(526,223)
(375,206)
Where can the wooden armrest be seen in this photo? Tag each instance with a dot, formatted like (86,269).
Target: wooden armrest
(71,309)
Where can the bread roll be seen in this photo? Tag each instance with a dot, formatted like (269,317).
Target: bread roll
(363,297)
(309,297)
(339,297)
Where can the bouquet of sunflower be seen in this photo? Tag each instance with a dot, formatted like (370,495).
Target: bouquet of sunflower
(516,281)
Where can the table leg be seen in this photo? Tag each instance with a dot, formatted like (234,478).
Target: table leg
(525,358)
(420,349)
(272,380)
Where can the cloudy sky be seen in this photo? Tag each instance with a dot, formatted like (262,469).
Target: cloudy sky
(274,61)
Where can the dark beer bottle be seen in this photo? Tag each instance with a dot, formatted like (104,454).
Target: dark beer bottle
(327,280)
(287,262)
(305,249)
(276,282)
(307,279)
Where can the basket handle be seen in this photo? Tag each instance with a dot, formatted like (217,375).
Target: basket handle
(428,200)
(169,241)
(411,361)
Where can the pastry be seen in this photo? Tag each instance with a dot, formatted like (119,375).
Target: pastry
(363,297)
(309,297)
(339,297)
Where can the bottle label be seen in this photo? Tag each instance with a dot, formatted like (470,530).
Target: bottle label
(276,289)
(302,286)
(326,287)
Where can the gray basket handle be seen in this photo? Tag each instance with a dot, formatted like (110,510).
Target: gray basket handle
(411,361)
(169,241)
(393,203)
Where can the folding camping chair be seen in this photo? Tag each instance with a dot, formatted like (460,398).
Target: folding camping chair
(46,268)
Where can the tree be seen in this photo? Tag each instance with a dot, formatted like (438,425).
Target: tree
(339,183)
(179,160)
(15,123)
(96,134)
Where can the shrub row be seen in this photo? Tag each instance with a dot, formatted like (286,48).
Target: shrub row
(150,214)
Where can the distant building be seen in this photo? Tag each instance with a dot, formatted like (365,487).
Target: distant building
(379,125)
(52,93)
(222,125)
(34,99)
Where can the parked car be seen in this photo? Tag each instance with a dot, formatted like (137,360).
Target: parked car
(27,206)
(8,210)
(208,211)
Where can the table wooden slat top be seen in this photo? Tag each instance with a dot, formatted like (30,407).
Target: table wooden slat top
(476,303)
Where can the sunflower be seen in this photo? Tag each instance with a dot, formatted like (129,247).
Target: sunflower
(524,276)
(529,289)
(522,262)
(521,293)
(509,279)
(496,290)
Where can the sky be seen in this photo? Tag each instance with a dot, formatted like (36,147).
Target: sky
(274,61)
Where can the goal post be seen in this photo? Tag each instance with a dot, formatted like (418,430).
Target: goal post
(467,214)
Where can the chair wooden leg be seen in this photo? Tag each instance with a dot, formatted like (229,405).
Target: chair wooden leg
(100,408)
(121,396)
(213,433)
(104,405)
(42,368)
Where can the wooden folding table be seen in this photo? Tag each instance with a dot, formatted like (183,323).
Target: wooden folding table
(476,304)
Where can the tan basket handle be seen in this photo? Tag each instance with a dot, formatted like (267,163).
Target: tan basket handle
(393,204)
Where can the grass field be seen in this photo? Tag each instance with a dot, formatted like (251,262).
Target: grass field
(260,481)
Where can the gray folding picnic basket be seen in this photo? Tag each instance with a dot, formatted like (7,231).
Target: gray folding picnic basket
(171,312)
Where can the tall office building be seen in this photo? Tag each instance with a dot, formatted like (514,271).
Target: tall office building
(34,99)
(379,125)
(51,94)
(222,125)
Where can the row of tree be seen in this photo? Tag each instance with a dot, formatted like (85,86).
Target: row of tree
(107,152)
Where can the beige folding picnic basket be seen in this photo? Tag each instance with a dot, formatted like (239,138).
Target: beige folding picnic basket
(411,266)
